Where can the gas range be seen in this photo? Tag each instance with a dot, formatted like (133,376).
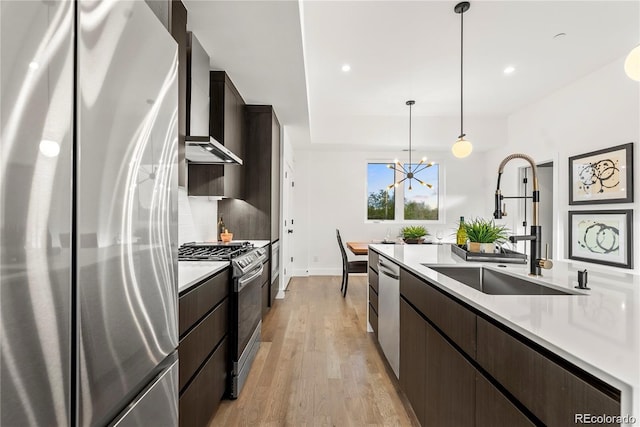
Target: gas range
(244,257)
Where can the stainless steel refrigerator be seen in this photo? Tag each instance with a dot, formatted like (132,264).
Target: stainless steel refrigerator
(88,214)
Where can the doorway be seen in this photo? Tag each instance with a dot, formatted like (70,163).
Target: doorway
(288,227)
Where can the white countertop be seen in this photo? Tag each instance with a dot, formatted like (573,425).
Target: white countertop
(193,272)
(598,332)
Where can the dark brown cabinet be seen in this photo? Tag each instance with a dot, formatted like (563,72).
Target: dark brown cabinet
(453,319)
(553,393)
(226,125)
(450,384)
(438,381)
(493,409)
(458,367)
(257,216)
(373,260)
(200,400)
(203,349)
(413,358)
(373,291)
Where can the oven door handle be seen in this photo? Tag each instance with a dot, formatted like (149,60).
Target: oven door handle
(245,280)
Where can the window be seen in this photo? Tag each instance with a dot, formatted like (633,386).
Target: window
(380,202)
(421,202)
(400,203)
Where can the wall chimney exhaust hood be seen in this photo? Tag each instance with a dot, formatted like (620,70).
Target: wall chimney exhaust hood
(205,149)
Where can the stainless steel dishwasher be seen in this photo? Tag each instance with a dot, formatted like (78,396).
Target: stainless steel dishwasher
(389,312)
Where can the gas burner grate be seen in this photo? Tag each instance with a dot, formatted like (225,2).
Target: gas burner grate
(212,251)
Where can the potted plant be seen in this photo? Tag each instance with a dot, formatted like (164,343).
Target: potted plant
(484,234)
(413,233)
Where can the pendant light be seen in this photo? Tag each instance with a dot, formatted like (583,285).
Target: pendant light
(462,147)
(409,172)
(632,64)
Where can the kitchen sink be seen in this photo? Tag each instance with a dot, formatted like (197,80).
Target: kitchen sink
(496,283)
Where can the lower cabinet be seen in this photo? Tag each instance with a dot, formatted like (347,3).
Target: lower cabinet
(203,350)
(552,392)
(438,381)
(475,373)
(413,358)
(450,384)
(373,291)
(493,409)
(201,398)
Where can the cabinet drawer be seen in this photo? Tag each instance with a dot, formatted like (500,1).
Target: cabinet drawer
(373,298)
(373,279)
(373,260)
(201,399)
(413,358)
(373,319)
(455,320)
(494,409)
(201,340)
(553,393)
(451,379)
(196,302)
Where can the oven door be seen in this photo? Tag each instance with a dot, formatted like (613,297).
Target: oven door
(249,297)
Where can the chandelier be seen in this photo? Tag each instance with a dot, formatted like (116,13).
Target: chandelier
(410,172)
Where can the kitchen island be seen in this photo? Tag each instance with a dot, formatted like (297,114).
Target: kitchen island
(595,331)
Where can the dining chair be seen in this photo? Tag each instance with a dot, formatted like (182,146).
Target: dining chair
(348,266)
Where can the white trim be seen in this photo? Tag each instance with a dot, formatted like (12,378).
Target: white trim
(301,272)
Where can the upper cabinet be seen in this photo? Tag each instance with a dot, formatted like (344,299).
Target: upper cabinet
(258,216)
(226,126)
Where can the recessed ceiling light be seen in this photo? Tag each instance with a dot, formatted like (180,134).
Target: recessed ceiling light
(346,68)
(33,65)
(510,69)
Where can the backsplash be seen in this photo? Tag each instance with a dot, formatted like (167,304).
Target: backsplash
(197,218)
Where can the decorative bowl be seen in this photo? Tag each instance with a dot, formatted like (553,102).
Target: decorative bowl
(226,237)
(413,241)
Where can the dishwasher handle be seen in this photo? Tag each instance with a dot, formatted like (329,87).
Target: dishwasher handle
(390,270)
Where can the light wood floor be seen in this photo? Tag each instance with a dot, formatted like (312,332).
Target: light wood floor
(317,365)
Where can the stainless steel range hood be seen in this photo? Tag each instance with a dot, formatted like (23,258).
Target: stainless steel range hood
(205,149)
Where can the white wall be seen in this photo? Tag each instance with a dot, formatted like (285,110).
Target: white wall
(197,218)
(330,193)
(598,111)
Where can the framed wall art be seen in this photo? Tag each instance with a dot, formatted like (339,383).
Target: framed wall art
(603,176)
(602,237)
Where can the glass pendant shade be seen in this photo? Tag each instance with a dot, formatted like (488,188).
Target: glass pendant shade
(632,64)
(461,148)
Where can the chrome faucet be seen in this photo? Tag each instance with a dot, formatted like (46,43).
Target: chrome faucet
(536,263)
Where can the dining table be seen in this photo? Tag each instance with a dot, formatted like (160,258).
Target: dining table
(359,248)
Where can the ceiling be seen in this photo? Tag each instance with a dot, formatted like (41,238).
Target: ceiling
(289,54)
